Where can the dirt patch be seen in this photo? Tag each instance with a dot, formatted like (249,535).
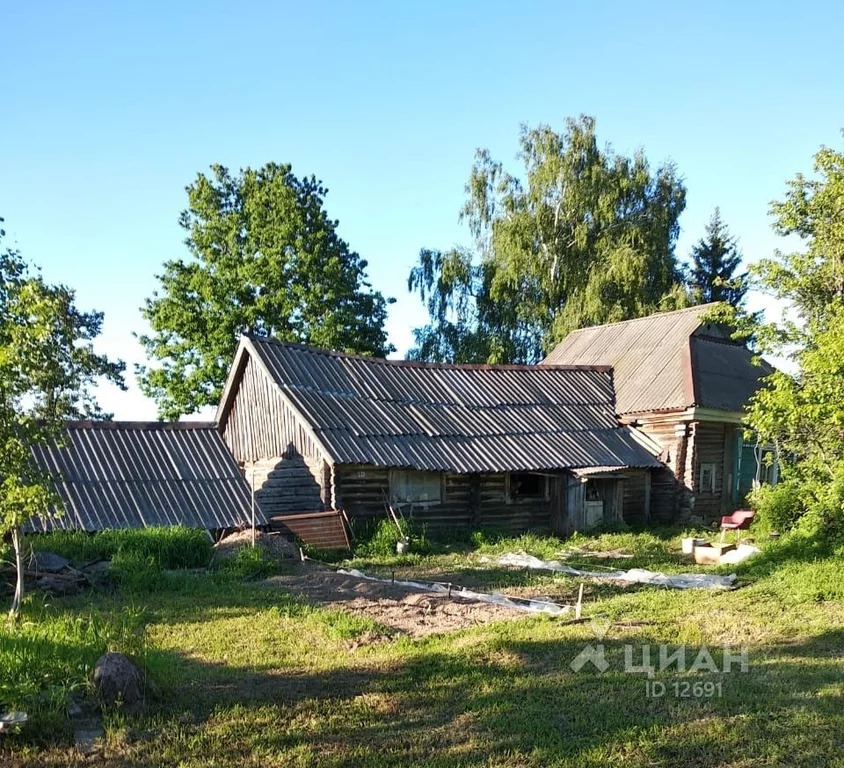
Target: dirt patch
(275,545)
(404,610)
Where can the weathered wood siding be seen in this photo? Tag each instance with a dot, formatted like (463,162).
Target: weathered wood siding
(709,439)
(469,501)
(687,445)
(261,425)
(275,448)
(636,498)
(667,485)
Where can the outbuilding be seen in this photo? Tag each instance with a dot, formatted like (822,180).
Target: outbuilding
(682,380)
(135,474)
(450,446)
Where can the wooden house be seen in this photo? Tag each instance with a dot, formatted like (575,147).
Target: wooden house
(685,383)
(451,446)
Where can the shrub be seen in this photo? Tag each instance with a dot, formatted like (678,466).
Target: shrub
(778,507)
(164,547)
(249,563)
(812,505)
(378,538)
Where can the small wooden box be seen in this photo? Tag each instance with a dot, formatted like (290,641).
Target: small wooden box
(710,554)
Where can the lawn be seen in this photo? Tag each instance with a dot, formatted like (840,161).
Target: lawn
(247,674)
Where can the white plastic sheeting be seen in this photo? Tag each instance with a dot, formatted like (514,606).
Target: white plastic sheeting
(737,555)
(637,575)
(534,605)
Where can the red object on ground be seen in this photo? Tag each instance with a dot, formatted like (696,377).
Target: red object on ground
(738,521)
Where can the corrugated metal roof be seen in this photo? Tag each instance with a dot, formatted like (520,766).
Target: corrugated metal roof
(725,374)
(656,368)
(461,418)
(123,474)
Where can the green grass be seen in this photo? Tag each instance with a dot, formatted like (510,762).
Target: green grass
(176,547)
(251,676)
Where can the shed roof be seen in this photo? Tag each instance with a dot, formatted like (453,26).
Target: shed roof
(461,418)
(130,474)
(668,361)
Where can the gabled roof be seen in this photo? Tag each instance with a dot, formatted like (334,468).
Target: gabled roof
(668,361)
(461,418)
(131,474)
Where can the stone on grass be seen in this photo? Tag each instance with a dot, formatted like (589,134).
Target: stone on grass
(49,562)
(117,680)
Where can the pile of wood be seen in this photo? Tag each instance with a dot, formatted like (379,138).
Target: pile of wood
(55,574)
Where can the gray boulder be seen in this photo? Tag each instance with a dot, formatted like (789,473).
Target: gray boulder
(117,680)
(49,562)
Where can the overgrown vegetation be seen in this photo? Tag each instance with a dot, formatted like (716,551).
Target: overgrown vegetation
(250,676)
(380,537)
(48,367)
(165,547)
(803,415)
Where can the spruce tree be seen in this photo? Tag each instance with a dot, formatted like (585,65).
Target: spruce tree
(715,260)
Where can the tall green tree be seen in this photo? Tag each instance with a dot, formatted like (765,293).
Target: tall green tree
(715,259)
(47,369)
(266,259)
(804,414)
(583,236)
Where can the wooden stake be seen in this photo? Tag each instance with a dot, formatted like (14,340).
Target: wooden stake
(253,506)
(578,609)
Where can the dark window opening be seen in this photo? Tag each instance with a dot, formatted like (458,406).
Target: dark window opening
(526,485)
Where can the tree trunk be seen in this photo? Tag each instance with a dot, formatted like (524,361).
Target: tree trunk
(18,598)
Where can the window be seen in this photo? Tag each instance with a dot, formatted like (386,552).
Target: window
(706,483)
(523,486)
(410,487)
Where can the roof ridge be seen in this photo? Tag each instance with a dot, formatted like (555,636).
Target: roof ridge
(145,425)
(693,309)
(307,348)
(719,340)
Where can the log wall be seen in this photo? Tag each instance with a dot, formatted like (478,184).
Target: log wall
(637,497)
(710,440)
(469,501)
(288,485)
(677,491)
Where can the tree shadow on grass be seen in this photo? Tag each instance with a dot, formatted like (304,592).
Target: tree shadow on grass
(502,702)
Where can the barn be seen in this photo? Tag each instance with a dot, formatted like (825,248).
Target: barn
(133,474)
(451,446)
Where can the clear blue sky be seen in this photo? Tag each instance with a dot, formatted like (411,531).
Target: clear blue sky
(110,109)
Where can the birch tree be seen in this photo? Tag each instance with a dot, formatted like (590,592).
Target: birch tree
(581,236)
(48,366)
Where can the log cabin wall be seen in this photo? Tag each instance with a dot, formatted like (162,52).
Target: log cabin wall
(637,489)
(275,449)
(468,502)
(687,446)
(667,484)
(711,498)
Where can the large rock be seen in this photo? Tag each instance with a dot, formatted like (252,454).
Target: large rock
(117,680)
(49,562)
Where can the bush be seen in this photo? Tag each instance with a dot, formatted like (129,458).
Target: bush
(378,538)
(811,505)
(778,507)
(162,547)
